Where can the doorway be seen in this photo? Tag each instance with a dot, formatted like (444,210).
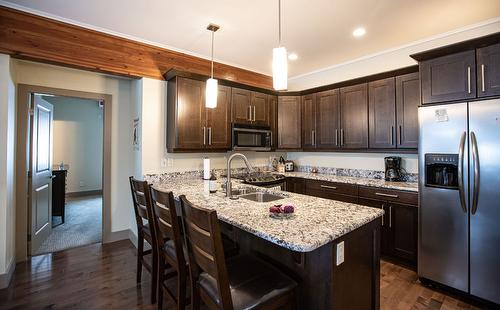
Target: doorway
(65,136)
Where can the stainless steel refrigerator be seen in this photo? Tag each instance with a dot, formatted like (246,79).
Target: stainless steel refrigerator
(459,191)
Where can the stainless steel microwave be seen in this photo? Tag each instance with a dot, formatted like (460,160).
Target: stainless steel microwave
(251,137)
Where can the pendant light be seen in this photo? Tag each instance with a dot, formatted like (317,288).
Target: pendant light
(211,88)
(280,64)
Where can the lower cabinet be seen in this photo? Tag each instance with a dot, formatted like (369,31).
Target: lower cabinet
(332,190)
(296,185)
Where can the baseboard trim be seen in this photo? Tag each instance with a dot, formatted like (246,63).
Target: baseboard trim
(5,278)
(117,236)
(84,193)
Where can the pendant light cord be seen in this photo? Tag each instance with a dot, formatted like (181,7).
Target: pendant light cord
(212,58)
(279,23)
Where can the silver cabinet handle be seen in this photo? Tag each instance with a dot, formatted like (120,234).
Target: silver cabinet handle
(390,216)
(468,80)
(204,135)
(341,137)
(209,135)
(327,186)
(254,113)
(392,135)
(336,137)
(387,195)
(249,113)
(477,177)
(483,89)
(461,191)
(400,134)
(383,209)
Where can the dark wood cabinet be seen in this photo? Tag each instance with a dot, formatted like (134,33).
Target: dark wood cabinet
(385,231)
(327,119)
(273,119)
(308,121)
(289,122)
(488,71)
(332,190)
(354,117)
(260,109)
(296,185)
(59,193)
(449,78)
(382,113)
(407,102)
(191,126)
(241,100)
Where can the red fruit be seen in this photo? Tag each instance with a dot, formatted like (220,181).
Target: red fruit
(275,209)
(288,209)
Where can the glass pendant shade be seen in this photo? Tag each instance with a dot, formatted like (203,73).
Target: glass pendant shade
(280,68)
(211,93)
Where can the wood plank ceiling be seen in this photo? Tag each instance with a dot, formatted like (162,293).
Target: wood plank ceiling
(27,36)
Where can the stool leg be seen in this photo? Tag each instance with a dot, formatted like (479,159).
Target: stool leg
(154,275)
(195,296)
(161,275)
(181,288)
(140,250)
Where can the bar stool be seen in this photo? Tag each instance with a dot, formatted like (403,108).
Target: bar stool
(243,282)
(143,211)
(170,247)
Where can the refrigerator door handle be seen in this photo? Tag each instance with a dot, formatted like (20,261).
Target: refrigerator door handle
(475,158)
(461,172)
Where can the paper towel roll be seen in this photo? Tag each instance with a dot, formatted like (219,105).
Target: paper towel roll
(206,168)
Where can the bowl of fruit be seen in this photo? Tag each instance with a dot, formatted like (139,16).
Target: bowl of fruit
(281,211)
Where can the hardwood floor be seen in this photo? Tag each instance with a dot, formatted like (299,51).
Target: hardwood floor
(103,277)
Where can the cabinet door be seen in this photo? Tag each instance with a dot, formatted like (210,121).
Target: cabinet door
(219,121)
(273,119)
(354,117)
(449,78)
(240,105)
(308,121)
(327,119)
(296,185)
(403,224)
(191,129)
(382,113)
(260,109)
(385,232)
(407,102)
(488,70)
(289,122)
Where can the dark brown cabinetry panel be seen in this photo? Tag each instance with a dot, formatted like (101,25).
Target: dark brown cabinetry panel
(449,78)
(240,105)
(385,231)
(332,190)
(289,122)
(218,119)
(354,117)
(296,185)
(404,231)
(327,119)
(407,102)
(273,119)
(488,71)
(260,109)
(382,113)
(309,121)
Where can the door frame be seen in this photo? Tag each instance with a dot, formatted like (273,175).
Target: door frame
(22,160)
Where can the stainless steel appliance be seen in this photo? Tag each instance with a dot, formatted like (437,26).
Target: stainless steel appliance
(251,137)
(459,188)
(393,168)
(289,166)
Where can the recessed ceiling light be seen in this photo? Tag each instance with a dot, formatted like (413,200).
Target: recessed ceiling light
(293,56)
(359,32)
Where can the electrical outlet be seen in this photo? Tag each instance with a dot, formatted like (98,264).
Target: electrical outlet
(163,162)
(170,162)
(340,253)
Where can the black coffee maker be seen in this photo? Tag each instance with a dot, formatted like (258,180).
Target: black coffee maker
(393,168)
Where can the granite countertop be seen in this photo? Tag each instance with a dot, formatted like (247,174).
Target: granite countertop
(316,221)
(405,186)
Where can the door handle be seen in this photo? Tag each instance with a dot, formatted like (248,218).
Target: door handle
(468,80)
(477,170)
(400,134)
(392,135)
(461,190)
(390,216)
(383,209)
(387,195)
(328,187)
(249,113)
(336,137)
(209,135)
(52,177)
(341,137)
(254,113)
(204,135)
(483,89)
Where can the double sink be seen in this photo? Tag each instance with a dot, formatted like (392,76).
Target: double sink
(253,194)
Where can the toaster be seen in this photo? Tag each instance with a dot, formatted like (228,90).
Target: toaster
(289,166)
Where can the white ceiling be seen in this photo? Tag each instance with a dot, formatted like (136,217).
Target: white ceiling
(319,31)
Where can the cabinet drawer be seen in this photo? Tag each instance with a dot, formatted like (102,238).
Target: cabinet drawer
(331,195)
(332,187)
(409,198)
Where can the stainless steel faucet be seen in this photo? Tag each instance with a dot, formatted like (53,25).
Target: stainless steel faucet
(229,160)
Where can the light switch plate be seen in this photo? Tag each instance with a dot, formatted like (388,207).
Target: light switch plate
(170,162)
(163,162)
(340,253)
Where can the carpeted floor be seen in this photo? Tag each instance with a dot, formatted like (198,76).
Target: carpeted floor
(82,226)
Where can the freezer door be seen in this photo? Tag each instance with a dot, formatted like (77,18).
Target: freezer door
(443,234)
(484,156)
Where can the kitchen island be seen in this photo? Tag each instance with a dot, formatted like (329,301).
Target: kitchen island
(305,245)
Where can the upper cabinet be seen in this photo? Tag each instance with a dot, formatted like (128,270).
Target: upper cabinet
(191,126)
(488,71)
(327,119)
(309,121)
(273,115)
(407,102)
(289,122)
(382,113)
(250,107)
(354,117)
(449,78)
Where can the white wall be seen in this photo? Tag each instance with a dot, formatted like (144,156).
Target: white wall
(7,164)
(78,141)
(122,159)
